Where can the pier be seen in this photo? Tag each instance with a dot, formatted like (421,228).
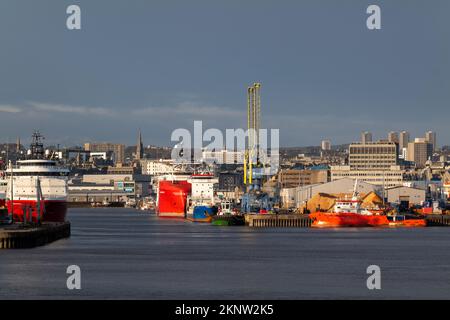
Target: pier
(438,220)
(18,236)
(303,221)
(278,220)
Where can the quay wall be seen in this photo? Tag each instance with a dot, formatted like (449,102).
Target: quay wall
(16,237)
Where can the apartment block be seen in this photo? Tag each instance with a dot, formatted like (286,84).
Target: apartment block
(372,156)
(419,152)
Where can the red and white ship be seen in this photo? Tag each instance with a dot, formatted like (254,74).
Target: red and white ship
(178,195)
(3,186)
(37,185)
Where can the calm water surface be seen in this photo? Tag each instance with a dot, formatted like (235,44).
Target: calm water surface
(126,254)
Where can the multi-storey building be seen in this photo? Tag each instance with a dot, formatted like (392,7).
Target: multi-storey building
(223,157)
(374,162)
(419,152)
(379,155)
(430,137)
(326,145)
(117,149)
(403,140)
(393,137)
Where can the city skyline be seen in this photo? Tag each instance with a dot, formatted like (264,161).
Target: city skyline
(161,69)
(24,141)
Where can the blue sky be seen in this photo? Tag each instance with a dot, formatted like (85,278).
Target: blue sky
(160,65)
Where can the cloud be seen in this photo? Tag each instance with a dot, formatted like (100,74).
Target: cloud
(72,109)
(10,109)
(185,109)
(190,109)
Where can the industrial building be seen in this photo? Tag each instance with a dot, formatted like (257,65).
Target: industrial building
(298,196)
(109,187)
(289,178)
(229,180)
(405,196)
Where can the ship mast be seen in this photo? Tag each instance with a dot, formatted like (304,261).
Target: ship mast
(37,147)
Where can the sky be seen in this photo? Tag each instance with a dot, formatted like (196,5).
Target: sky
(158,65)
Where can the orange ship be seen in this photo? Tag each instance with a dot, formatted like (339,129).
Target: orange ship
(348,213)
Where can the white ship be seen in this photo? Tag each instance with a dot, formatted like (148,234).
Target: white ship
(38,186)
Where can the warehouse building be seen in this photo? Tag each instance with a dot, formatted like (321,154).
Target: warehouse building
(405,196)
(298,196)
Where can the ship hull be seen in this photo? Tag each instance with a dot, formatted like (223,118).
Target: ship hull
(332,220)
(172,198)
(203,220)
(51,210)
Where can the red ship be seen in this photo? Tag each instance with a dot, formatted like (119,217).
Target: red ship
(172,198)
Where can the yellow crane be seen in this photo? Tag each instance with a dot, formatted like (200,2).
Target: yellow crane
(251,157)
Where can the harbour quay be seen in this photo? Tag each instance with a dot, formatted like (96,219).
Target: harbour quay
(438,220)
(19,236)
(304,221)
(278,220)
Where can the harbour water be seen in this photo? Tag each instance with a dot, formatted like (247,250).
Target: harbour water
(127,254)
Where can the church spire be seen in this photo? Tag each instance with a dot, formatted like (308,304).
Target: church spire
(139,147)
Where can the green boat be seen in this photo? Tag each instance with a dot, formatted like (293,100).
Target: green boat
(220,222)
(228,220)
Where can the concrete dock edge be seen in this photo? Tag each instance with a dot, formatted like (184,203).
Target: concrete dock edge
(20,238)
